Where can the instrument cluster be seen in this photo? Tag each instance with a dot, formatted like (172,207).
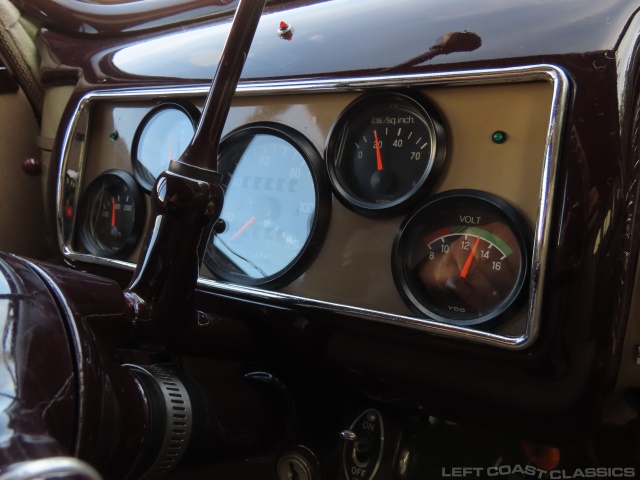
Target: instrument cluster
(376,205)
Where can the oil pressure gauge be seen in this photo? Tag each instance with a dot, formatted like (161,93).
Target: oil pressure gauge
(385,153)
(463,258)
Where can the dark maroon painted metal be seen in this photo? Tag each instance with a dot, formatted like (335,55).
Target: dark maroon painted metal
(359,40)
(65,392)
(202,152)
(185,202)
(119,18)
(112,420)
(447,44)
(160,296)
(562,380)
(38,392)
(114,410)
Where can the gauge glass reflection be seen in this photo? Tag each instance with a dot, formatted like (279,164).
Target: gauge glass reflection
(463,259)
(271,206)
(162,136)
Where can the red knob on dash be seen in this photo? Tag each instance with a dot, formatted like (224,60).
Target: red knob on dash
(285,31)
(32,166)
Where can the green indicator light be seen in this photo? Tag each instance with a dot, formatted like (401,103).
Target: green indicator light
(499,137)
(80,137)
(114,135)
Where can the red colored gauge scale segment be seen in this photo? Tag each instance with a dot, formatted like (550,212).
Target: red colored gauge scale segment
(470,240)
(463,258)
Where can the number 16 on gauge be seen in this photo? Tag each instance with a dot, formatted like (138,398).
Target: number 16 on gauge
(463,258)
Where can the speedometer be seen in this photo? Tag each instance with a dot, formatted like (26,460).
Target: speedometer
(276,206)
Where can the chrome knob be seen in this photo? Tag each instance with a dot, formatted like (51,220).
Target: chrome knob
(348,436)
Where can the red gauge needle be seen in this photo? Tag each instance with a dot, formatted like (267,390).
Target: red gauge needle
(465,270)
(378,155)
(243,228)
(113,211)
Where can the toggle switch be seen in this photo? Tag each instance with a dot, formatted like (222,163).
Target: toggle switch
(363,446)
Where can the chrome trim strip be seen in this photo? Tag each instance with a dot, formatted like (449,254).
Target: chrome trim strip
(549,73)
(52,467)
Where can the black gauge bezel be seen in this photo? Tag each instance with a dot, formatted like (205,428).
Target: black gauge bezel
(453,199)
(322,192)
(191,112)
(336,145)
(137,198)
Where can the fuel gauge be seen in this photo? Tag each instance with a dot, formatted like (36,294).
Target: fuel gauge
(463,258)
(112,214)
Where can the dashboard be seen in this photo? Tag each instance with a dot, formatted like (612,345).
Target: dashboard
(428,243)
(333,247)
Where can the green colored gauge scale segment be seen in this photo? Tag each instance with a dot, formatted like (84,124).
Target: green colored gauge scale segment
(463,258)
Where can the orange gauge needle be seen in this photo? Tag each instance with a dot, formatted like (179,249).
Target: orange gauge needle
(113,211)
(465,270)
(378,155)
(243,228)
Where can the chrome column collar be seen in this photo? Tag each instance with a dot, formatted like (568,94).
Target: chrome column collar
(179,418)
(49,468)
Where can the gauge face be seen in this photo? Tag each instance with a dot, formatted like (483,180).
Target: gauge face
(163,135)
(276,206)
(462,258)
(112,215)
(384,154)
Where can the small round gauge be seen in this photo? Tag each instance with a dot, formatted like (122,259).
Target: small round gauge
(112,215)
(276,206)
(385,153)
(463,258)
(162,136)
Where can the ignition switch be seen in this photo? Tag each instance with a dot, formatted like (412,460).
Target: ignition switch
(364,442)
(298,464)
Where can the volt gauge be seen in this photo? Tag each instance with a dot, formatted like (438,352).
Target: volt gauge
(463,258)
(385,153)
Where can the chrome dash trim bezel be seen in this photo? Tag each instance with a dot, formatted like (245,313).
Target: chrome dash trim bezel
(541,72)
